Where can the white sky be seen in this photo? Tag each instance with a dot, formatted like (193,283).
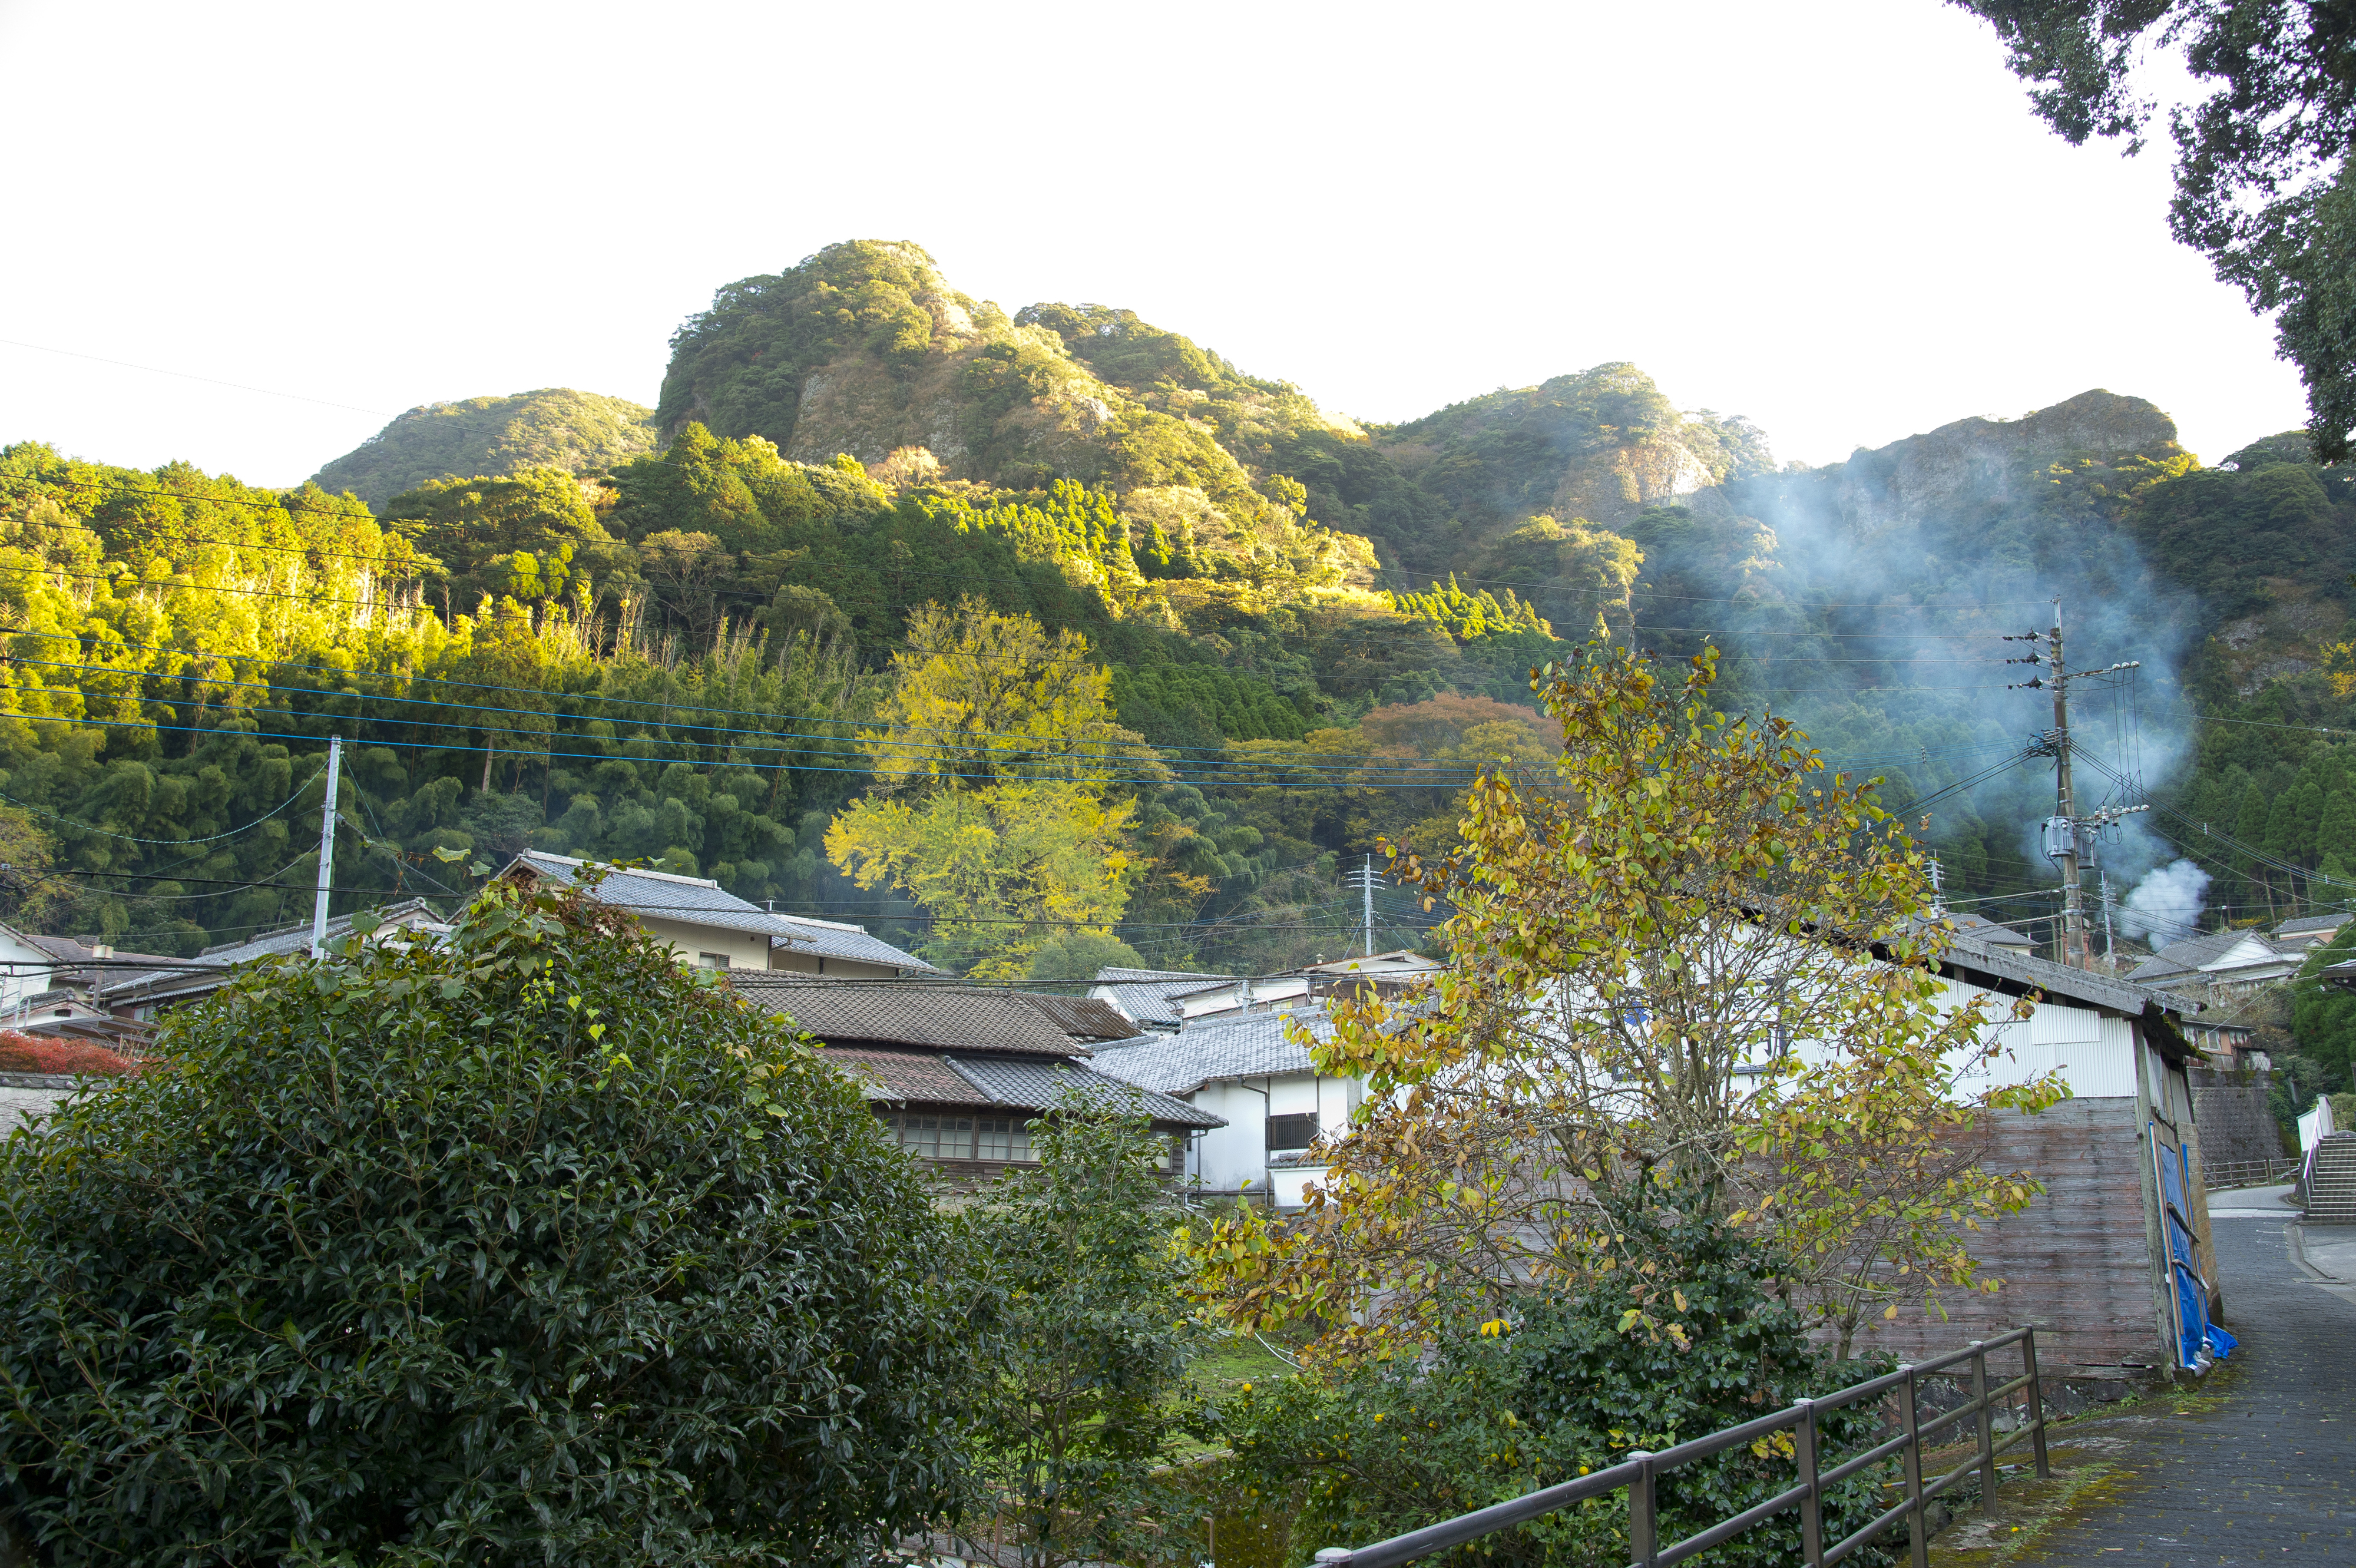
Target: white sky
(1838,217)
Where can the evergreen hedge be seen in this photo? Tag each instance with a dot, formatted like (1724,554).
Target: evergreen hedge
(530,1247)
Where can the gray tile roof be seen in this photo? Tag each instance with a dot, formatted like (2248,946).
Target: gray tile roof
(1253,1046)
(829,939)
(923,1014)
(1150,995)
(2307,923)
(701,902)
(1083,1017)
(206,971)
(900,1075)
(2188,956)
(1031,1084)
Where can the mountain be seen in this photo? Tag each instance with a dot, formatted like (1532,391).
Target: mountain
(555,427)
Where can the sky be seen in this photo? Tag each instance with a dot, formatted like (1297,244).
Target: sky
(1840,218)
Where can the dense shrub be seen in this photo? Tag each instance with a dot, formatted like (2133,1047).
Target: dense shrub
(529,1248)
(1090,1410)
(1553,1387)
(20,1052)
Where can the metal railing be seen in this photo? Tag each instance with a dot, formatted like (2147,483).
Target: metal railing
(1640,1474)
(2248,1173)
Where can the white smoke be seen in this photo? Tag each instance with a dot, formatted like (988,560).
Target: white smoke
(2166,906)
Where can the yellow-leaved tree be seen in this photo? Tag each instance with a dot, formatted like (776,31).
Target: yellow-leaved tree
(1694,969)
(997,802)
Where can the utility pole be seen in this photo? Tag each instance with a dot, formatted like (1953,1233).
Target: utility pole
(2064,829)
(1938,902)
(2074,921)
(2110,946)
(326,848)
(1365,882)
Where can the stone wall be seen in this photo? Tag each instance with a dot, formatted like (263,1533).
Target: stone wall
(24,1093)
(2230,1108)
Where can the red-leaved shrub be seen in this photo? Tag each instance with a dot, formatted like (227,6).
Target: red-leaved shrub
(20,1052)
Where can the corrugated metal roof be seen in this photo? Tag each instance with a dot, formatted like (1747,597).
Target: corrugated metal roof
(907,1012)
(2070,984)
(1029,1084)
(1253,1046)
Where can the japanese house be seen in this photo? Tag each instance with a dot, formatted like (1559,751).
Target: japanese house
(711,927)
(960,1075)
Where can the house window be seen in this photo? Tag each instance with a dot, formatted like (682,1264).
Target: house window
(712,960)
(1004,1138)
(938,1137)
(1289,1133)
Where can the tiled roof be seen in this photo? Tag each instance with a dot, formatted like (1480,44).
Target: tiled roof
(701,902)
(1253,1046)
(2307,923)
(2194,953)
(657,895)
(177,977)
(828,939)
(919,1076)
(1031,1084)
(907,1012)
(1083,1017)
(1148,995)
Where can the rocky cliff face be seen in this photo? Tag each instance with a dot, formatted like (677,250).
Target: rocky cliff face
(1972,463)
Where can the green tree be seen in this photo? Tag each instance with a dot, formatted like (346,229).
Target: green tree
(1079,957)
(529,536)
(1554,1389)
(2263,183)
(2323,1015)
(1081,1429)
(525,1246)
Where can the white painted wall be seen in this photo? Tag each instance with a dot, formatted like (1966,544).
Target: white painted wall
(1226,1158)
(24,970)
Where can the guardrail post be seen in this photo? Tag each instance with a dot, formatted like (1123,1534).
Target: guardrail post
(1643,1522)
(1811,1512)
(1917,1519)
(1985,1424)
(2036,1401)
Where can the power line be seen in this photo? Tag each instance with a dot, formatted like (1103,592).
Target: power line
(187,376)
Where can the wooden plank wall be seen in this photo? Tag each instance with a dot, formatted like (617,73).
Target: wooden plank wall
(2074,1260)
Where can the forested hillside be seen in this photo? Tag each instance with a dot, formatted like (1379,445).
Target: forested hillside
(1308,631)
(554,428)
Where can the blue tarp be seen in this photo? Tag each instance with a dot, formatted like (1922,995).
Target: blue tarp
(2191,1295)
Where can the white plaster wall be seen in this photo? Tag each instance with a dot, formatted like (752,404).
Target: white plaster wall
(745,950)
(1230,1155)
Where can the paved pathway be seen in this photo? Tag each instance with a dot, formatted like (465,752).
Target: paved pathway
(2267,1473)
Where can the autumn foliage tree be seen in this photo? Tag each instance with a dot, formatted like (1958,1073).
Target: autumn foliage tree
(995,758)
(1694,968)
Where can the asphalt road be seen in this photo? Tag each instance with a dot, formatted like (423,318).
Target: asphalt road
(2267,1474)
